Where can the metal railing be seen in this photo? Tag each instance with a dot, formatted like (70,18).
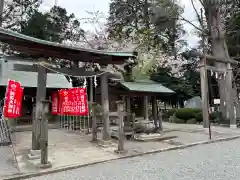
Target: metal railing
(5,138)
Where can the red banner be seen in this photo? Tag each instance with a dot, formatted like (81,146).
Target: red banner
(64,102)
(19,101)
(82,103)
(73,102)
(13,99)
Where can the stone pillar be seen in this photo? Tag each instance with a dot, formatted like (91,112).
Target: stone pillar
(145,107)
(204,92)
(44,163)
(154,110)
(94,123)
(121,135)
(229,100)
(33,120)
(128,108)
(160,120)
(105,107)
(41,94)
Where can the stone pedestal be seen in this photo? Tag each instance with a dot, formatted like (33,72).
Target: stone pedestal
(105,144)
(45,166)
(233,126)
(120,151)
(34,154)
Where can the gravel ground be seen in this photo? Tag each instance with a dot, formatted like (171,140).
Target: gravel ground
(218,161)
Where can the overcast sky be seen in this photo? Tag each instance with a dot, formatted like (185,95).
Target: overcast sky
(79,8)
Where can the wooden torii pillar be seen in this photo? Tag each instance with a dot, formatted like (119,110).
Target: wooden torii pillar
(229,90)
(41,95)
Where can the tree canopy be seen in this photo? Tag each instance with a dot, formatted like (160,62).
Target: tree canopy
(156,26)
(56,26)
(138,21)
(232,23)
(135,20)
(17,12)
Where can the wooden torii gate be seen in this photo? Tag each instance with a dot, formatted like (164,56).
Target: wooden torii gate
(229,93)
(230,103)
(43,50)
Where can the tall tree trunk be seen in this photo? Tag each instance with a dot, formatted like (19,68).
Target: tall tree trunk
(219,50)
(218,44)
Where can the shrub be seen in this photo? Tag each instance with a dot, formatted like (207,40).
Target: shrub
(199,117)
(174,119)
(171,112)
(217,117)
(165,117)
(196,110)
(177,120)
(214,116)
(187,113)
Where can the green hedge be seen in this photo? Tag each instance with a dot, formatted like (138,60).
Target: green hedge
(179,121)
(174,119)
(199,117)
(188,113)
(171,112)
(217,117)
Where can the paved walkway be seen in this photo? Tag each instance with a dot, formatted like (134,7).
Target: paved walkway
(218,161)
(196,127)
(8,164)
(67,149)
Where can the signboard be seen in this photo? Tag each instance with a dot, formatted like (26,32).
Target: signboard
(70,102)
(13,99)
(55,102)
(216,101)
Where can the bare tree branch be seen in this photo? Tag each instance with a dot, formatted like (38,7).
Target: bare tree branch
(202,3)
(195,26)
(198,16)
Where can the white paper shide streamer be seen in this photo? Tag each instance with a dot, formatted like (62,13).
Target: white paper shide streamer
(85,83)
(95,81)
